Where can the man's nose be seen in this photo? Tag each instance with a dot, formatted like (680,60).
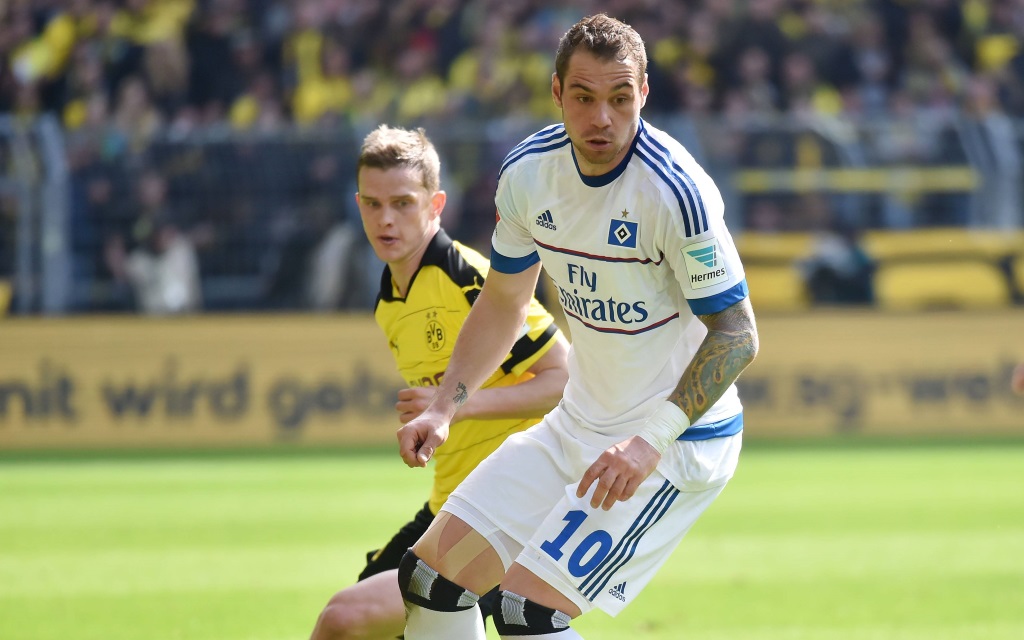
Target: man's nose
(603,116)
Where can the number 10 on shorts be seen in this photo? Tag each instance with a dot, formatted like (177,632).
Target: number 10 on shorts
(599,542)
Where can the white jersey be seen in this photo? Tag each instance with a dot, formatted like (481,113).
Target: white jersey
(636,254)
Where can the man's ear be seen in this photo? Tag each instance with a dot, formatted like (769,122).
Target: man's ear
(556,90)
(437,202)
(644,90)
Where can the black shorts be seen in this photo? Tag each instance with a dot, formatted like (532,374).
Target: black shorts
(387,558)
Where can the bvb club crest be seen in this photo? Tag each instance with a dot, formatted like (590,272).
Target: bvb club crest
(435,335)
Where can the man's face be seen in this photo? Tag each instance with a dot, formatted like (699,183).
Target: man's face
(399,215)
(600,102)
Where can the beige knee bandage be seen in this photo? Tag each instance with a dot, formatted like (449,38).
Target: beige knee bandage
(457,548)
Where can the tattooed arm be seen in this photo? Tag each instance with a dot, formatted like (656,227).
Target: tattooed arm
(729,347)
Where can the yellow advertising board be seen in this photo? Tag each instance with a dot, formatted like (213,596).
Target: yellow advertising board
(243,381)
(205,381)
(920,374)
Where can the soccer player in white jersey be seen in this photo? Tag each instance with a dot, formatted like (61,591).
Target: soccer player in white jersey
(582,509)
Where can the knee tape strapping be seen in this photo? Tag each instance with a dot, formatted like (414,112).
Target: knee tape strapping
(425,587)
(517,616)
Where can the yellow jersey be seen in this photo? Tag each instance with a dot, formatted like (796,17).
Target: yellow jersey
(421,330)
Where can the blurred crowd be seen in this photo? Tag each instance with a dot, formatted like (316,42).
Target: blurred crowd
(124,77)
(143,64)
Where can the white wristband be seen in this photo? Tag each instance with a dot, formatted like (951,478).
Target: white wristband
(665,426)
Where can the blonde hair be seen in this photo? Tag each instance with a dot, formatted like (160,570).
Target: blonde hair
(390,147)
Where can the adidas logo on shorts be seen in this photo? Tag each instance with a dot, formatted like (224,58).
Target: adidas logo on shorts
(618,591)
(545,220)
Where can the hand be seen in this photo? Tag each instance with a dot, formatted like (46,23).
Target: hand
(412,402)
(619,471)
(420,438)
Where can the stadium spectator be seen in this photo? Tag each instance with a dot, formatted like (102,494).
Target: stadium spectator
(758,28)
(839,271)
(216,45)
(654,350)
(87,102)
(135,118)
(873,67)
(992,146)
(159,260)
(326,96)
(760,95)
(803,92)
(163,269)
(429,283)
(483,77)
(423,92)
(822,36)
(259,108)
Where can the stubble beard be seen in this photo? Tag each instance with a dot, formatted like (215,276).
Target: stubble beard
(603,159)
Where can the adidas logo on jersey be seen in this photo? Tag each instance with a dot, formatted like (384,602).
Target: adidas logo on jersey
(545,220)
(618,591)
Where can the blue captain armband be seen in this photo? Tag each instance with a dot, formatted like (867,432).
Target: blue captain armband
(719,301)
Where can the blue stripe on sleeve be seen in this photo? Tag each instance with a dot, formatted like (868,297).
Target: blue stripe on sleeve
(504,264)
(722,428)
(535,144)
(719,301)
(693,197)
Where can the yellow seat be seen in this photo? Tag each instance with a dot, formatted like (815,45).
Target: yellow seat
(942,242)
(907,286)
(776,288)
(758,246)
(1017,269)
(5,296)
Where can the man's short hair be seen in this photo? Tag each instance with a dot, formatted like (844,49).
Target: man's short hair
(604,37)
(390,147)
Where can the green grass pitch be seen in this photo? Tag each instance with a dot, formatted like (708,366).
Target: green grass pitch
(809,542)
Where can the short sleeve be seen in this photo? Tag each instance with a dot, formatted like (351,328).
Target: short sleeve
(512,246)
(706,265)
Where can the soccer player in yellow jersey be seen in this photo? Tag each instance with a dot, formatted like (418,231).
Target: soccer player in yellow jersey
(427,287)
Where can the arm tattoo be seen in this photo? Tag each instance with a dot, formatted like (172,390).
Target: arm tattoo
(729,347)
(462,394)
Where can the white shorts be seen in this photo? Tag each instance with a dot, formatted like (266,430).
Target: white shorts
(522,498)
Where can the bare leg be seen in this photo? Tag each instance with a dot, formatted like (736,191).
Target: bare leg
(453,549)
(531,609)
(521,580)
(371,609)
(446,570)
